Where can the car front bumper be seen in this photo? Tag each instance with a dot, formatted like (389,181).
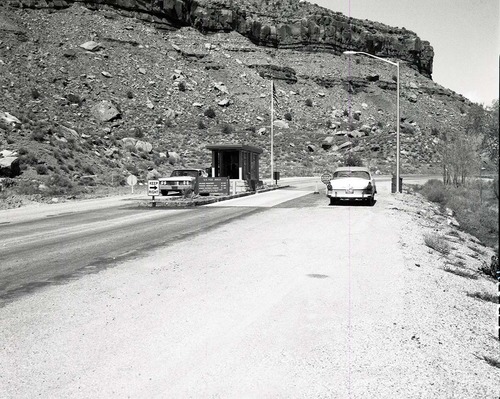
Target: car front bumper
(343,194)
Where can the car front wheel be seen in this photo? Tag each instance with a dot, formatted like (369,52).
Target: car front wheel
(333,201)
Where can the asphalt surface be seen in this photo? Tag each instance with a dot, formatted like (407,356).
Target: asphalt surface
(274,295)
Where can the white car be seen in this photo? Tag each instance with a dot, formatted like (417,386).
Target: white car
(351,183)
(181,180)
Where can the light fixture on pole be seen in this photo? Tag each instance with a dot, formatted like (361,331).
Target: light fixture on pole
(398,188)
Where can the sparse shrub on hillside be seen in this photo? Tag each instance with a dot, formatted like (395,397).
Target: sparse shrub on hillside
(352,159)
(434,131)
(227,129)
(252,129)
(209,112)
(380,124)
(201,124)
(138,133)
(38,135)
(132,169)
(288,116)
(22,151)
(27,187)
(88,170)
(434,191)
(182,86)
(130,94)
(356,116)
(394,78)
(28,159)
(35,94)
(345,112)
(309,102)
(437,243)
(59,184)
(41,169)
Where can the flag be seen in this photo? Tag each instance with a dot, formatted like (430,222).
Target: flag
(275,95)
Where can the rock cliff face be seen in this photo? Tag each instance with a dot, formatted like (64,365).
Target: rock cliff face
(288,24)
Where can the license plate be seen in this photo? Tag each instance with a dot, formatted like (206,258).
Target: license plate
(349,191)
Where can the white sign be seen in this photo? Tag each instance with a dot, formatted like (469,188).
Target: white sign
(153,187)
(326,177)
(131,180)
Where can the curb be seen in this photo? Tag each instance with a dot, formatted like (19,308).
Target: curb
(200,202)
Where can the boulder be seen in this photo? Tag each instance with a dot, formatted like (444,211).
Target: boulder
(91,46)
(173,158)
(7,153)
(105,111)
(9,167)
(153,175)
(345,145)
(281,124)
(224,103)
(9,119)
(328,142)
(372,78)
(129,141)
(365,129)
(143,146)
(221,87)
(311,148)
(356,134)
(170,114)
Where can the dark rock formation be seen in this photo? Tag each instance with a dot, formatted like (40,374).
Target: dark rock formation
(304,26)
(276,72)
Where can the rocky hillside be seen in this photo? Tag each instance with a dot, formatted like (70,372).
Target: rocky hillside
(92,93)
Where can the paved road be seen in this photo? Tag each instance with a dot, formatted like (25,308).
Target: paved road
(47,245)
(276,295)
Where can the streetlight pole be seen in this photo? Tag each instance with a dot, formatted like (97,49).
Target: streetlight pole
(396,64)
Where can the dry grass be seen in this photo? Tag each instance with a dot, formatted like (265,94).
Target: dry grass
(490,360)
(437,243)
(484,296)
(461,273)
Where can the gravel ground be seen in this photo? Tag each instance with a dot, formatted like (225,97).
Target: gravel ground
(297,310)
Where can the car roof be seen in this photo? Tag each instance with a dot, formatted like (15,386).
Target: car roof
(352,168)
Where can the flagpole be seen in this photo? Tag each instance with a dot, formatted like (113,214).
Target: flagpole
(272,131)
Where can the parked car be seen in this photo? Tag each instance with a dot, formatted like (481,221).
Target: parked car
(351,183)
(181,180)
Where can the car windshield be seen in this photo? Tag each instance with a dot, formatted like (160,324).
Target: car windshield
(192,173)
(351,173)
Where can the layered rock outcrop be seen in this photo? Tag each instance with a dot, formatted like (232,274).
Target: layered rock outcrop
(300,26)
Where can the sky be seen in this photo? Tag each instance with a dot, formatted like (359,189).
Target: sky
(465,36)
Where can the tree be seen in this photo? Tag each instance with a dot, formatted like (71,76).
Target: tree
(491,133)
(460,155)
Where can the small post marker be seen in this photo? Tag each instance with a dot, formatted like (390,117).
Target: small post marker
(316,191)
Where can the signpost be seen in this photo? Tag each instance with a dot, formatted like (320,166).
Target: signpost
(132,181)
(153,189)
(326,177)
